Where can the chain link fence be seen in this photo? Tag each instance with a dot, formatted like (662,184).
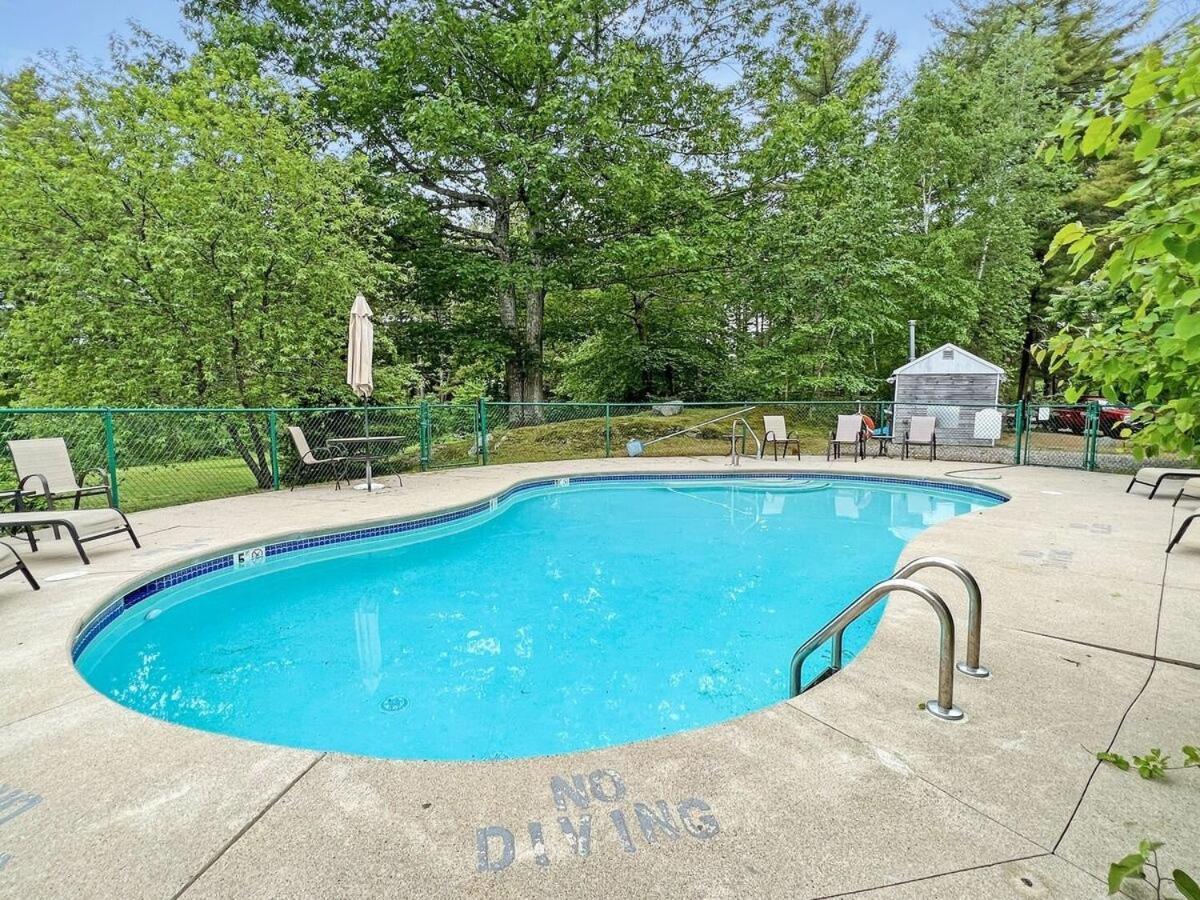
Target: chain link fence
(164,457)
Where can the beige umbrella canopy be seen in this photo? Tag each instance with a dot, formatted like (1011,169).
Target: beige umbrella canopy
(360,349)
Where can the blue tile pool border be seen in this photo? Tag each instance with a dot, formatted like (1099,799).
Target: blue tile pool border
(111,611)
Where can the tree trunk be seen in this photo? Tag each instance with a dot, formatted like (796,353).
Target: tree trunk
(255,454)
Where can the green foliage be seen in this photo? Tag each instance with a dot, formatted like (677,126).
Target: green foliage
(1115,758)
(1152,764)
(601,200)
(1134,865)
(1145,344)
(169,237)
(1131,866)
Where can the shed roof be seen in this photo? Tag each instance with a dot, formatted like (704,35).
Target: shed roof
(949,359)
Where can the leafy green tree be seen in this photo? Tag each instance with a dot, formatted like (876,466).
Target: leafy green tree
(815,283)
(516,125)
(1146,344)
(978,198)
(170,237)
(1083,40)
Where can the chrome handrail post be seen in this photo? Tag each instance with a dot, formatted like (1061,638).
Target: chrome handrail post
(971,666)
(943,707)
(835,652)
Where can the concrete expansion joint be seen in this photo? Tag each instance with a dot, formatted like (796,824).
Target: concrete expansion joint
(245,828)
(898,764)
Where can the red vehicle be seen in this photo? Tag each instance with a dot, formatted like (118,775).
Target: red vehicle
(1114,418)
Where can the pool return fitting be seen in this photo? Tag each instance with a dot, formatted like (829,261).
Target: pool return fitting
(943,707)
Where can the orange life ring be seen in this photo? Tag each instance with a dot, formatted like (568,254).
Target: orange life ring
(868,424)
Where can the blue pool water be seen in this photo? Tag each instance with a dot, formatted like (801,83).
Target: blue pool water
(568,618)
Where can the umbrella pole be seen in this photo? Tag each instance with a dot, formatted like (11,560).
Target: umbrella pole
(367,434)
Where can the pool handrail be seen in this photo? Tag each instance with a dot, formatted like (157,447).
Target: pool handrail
(970,666)
(943,707)
(734,455)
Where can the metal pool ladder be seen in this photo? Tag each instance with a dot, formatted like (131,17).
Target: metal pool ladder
(943,707)
(734,456)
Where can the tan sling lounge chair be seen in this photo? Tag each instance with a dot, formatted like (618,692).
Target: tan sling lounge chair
(1153,477)
(46,462)
(10,561)
(82,525)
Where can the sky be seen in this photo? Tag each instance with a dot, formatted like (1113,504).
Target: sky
(28,27)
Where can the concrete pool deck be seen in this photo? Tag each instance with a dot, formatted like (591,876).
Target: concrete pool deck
(1091,631)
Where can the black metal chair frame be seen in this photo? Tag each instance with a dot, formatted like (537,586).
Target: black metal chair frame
(23,569)
(339,471)
(906,453)
(770,438)
(1182,530)
(835,447)
(1166,476)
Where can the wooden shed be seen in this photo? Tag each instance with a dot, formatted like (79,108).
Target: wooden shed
(961,389)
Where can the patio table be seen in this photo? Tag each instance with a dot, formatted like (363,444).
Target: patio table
(348,447)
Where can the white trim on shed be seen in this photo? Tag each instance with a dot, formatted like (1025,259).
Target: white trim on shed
(948,359)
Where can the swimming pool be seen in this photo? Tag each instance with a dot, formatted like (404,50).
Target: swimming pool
(563,615)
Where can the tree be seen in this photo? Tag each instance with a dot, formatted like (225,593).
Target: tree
(169,236)
(1083,39)
(979,199)
(1146,344)
(514,123)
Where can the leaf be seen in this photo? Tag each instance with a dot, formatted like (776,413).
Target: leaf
(1181,248)
(1097,133)
(1115,758)
(1129,867)
(1152,765)
(1188,327)
(1147,143)
(1185,884)
(1068,234)
(1191,756)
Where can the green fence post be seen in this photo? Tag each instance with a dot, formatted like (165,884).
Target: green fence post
(425,433)
(1093,436)
(273,431)
(607,430)
(110,448)
(1020,431)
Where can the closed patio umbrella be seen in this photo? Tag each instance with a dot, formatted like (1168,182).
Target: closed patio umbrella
(359,351)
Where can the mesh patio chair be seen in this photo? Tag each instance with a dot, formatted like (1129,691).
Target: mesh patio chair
(849,431)
(308,458)
(1189,491)
(10,561)
(775,428)
(1182,530)
(46,462)
(82,525)
(1154,476)
(922,432)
